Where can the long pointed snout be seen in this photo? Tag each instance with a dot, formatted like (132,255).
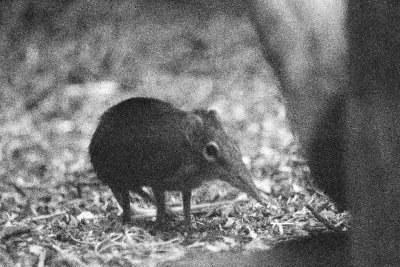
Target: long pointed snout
(242,180)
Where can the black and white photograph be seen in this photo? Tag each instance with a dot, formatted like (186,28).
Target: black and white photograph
(199,133)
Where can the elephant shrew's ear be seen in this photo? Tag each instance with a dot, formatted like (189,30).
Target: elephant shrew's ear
(193,128)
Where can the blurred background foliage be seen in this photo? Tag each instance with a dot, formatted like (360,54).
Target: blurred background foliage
(66,62)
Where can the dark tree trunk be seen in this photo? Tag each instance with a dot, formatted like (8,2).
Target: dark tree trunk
(304,42)
(348,121)
(373,131)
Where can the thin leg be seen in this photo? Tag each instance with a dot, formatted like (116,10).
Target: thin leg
(186,196)
(122,197)
(160,202)
(150,197)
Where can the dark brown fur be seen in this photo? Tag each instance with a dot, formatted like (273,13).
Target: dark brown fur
(147,142)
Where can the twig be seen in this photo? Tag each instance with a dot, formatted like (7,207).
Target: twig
(81,242)
(16,188)
(323,220)
(42,258)
(210,212)
(43,217)
(11,231)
